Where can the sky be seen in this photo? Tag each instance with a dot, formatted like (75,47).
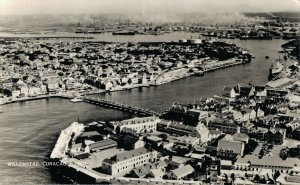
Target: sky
(21,7)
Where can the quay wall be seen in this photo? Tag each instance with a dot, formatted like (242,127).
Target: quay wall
(178,74)
(38,98)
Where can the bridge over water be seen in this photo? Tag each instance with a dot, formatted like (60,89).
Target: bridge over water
(120,106)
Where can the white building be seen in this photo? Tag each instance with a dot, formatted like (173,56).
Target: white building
(274,163)
(140,125)
(229,92)
(34,91)
(15,93)
(43,89)
(53,85)
(182,172)
(24,90)
(124,162)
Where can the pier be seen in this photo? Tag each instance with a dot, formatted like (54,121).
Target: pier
(120,106)
(222,65)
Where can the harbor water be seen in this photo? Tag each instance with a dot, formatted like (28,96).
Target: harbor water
(28,130)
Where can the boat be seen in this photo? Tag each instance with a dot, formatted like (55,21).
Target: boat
(76,99)
(124,33)
(275,69)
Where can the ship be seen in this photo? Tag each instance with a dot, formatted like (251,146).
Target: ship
(76,99)
(275,69)
(124,33)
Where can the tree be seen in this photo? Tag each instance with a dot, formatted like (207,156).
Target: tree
(129,81)
(232,176)
(226,177)
(256,178)
(276,175)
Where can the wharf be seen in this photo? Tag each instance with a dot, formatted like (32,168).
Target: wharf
(222,65)
(38,98)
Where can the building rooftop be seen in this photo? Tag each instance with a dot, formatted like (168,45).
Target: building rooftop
(235,147)
(130,154)
(90,134)
(269,161)
(102,143)
(134,121)
(183,171)
(279,82)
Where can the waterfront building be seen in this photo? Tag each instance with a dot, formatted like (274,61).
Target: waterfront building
(16,93)
(229,92)
(43,89)
(34,91)
(279,83)
(122,163)
(245,91)
(108,85)
(140,125)
(24,91)
(53,85)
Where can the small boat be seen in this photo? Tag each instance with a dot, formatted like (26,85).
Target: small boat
(76,99)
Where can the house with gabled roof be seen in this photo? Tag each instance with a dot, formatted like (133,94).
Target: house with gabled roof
(230,148)
(182,172)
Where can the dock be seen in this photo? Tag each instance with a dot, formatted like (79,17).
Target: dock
(120,106)
(221,65)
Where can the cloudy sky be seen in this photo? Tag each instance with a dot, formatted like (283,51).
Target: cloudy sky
(19,7)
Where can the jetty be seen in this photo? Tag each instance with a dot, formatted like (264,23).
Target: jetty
(120,106)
